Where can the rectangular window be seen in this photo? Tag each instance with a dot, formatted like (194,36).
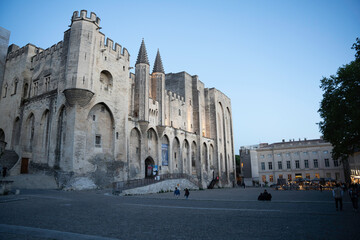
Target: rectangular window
(288,154)
(337,176)
(269,155)
(325,152)
(279,164)
(280,176)
(297,164)
(97,140)
(305,153)
(314,152)
(327,163)
(262,156)
(289,177)
(316,164)
(317,175)
(271,178)
(336,163)
(288,165)
(263,178)
(279,155)
(270,165)
(306,163)
(262,166)
(307,175)
(328,175)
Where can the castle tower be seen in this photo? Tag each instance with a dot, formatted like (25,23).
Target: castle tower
(142,70)
(158,86)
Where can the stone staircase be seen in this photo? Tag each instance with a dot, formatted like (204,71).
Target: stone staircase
(8,159)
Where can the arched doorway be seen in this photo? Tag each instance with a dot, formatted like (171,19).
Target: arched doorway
(149,167)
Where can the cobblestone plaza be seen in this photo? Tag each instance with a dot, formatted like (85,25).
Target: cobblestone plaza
(209,214)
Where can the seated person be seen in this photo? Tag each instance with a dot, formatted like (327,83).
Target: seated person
(265,196)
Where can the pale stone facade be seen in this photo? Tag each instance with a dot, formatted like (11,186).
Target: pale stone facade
(295,159)
(76,109)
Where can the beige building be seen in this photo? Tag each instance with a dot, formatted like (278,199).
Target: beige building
(76,110)
(297,159)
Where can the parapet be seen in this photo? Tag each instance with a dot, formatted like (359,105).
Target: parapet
(173,96)
(48,51)
(118,50)
(83,16)
(21,51)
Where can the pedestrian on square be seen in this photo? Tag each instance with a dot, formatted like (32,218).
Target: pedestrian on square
(354,195)
(338,194)
(187,193)
(177,192)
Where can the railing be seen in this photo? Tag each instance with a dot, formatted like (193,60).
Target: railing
(124,185)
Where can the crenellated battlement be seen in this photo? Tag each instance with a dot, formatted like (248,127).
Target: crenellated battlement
(174,96)
(83,16)
(21,51)
(48,51)
(118,50)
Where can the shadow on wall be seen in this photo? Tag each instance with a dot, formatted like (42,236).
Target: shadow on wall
(106,169)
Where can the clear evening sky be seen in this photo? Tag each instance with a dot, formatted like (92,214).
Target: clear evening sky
(267,56)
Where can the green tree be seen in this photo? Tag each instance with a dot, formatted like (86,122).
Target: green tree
(340,110)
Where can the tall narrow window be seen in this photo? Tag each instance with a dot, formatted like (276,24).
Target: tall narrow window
(262,166)
(47,83)
(270,165)
(316,164)
(297,164)
(288,164)
(15,86)
(279,164)
(306,163)
(327,163)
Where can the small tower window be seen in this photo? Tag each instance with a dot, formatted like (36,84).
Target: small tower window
(179,112)
(5,90)
(15,86)
(94,117)
(97,140)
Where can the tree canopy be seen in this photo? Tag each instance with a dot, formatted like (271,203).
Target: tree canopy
(340,110)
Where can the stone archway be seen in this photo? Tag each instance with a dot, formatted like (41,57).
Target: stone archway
(149,167)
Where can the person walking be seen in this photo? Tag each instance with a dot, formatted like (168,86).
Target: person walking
(187,193)
(354,195)
(338,194)
(177,192)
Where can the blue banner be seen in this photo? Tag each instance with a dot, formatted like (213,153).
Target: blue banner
(165,154)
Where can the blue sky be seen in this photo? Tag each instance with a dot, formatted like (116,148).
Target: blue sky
(267,56)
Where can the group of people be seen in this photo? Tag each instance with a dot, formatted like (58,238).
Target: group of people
(265,196)
(338,194)
(177,193)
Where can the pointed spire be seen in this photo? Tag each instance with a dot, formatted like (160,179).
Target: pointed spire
(158,66)
(142,56)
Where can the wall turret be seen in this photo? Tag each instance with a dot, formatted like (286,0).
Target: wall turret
(158,86)
(142,70)
(79,43)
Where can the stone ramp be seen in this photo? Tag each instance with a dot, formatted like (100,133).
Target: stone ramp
(32,181)
(163,186)
(8,159)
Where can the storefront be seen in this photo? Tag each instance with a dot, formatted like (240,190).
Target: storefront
(355,176)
